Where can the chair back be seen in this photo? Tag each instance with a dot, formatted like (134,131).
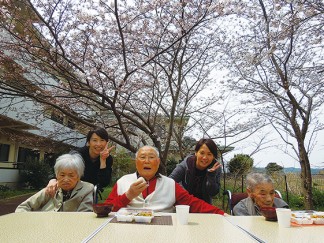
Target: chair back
(95,194)
(234,198)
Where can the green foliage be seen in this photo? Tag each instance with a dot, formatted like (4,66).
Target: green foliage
(104,194)
(171,164)
(296,201)
(4,188)
(123,164)
(240,164)
(13,193)
(35,174)
(272,168)
(318,198)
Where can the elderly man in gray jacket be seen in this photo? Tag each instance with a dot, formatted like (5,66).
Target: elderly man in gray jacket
(261,194)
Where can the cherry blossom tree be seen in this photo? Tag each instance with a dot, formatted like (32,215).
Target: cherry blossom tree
(275,53)
(133,67)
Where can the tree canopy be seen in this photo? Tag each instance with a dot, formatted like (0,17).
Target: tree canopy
(275,55)
(273,167)
(240,164)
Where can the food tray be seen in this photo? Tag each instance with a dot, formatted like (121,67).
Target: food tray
(307,218)
(140,215)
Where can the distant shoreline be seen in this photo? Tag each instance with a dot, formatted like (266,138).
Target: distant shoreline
(295,170)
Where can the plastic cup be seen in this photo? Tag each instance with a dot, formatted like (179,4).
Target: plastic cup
(182,212)
(284,217)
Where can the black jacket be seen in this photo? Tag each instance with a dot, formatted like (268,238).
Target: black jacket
(185,174)
(92,171)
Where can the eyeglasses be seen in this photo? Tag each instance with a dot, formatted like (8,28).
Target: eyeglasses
(145,158)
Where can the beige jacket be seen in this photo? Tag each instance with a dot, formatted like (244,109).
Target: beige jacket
(80,201)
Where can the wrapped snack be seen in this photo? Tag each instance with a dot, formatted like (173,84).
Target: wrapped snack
(144,216)
(318,218)
(124,215)
(307,218)
(141,179)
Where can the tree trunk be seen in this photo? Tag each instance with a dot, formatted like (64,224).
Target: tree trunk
(306,178)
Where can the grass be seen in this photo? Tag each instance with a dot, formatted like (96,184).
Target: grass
(4,194)
(105,194)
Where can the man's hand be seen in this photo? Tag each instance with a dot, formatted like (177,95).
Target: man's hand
(136,188)
(215,167)
(51,187)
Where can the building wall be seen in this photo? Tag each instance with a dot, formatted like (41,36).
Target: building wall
(27,119)
(9,177)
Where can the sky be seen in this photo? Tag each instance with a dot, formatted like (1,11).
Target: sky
(263,157)
(271,154)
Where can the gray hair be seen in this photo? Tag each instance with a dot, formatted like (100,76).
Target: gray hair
(253,179)
(151,147)
(69,161)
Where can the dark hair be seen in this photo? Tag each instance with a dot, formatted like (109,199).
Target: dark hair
(101,132)
(209,143)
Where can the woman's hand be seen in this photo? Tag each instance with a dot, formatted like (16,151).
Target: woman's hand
(104,154)
(136,188)
(51,187)
(215,167)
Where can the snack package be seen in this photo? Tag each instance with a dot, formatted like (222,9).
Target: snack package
(140,215)
(307,217)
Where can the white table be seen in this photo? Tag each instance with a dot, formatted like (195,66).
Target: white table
(47,226)
(75,227)
(202,228)
(271,232)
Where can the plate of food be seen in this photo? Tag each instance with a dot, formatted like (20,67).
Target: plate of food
(144,217)
(140,215)
(307,218)
(124,215)
(318,217)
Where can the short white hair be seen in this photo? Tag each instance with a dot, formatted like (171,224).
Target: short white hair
(150,147)
(69,161)
(253,179)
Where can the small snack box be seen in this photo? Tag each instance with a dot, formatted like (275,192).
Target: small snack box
(140,215)
(307,217)
(124,215)
(318,217)
(301,218)
(144,216)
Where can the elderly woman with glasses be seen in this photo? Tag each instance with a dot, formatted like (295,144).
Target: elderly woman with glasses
(73,195)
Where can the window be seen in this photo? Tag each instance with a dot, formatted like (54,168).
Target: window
(50,158)
(4,152)
(27,154)
(70,124)
(57,117)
